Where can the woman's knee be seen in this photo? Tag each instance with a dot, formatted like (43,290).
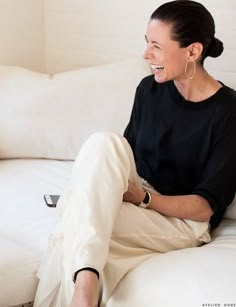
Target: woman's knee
(105,144)
(106,136)
(105,140)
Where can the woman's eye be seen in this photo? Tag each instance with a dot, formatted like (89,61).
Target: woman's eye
(156,46)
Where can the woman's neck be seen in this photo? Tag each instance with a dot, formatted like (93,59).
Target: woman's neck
(201,87)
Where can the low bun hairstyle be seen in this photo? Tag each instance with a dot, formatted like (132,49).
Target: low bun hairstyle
(191,22)
(215,48)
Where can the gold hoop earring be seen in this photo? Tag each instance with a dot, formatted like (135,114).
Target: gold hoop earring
(186,68)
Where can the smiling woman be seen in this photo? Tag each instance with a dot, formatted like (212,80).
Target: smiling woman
(164,185)
(178,45)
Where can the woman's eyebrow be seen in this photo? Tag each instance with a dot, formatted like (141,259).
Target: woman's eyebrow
(153,42)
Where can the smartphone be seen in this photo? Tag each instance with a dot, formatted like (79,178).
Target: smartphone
(51,200)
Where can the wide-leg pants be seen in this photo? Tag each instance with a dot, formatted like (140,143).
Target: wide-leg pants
(101,231)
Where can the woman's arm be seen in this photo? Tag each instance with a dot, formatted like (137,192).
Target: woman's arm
(192,207)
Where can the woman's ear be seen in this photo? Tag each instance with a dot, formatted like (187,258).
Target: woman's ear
(195,51)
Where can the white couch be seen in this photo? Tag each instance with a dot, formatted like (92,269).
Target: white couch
(43,122)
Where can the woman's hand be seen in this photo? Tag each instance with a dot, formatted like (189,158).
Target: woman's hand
(133,194)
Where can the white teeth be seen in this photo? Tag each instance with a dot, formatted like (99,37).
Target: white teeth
(159,67)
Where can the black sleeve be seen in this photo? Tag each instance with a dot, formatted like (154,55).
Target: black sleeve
(218,182)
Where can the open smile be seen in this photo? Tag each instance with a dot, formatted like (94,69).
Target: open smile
(157,67)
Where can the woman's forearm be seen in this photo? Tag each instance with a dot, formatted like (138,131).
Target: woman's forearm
(193,207)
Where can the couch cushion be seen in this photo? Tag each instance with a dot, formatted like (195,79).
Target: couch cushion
(26,222)
(43,117)
(193,277)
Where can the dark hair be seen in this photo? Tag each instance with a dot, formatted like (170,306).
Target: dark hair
(191,22)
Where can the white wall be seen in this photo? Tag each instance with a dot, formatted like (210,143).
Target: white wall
(224,13)
(59,35)
(22,33)
(82,33)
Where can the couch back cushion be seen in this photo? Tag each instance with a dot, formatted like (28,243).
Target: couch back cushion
(50,117)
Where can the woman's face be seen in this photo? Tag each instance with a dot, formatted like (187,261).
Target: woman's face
(165,56)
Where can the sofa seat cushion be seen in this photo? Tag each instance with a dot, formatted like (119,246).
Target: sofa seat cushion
(200,276)
(192,276)
(26,222)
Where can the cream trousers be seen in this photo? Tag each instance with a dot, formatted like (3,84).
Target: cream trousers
(101,231)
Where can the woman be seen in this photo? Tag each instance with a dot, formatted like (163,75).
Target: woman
(179,142)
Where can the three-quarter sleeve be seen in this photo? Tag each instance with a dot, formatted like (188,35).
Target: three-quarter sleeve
(218,180)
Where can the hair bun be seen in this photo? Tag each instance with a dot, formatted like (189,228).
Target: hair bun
(216,48)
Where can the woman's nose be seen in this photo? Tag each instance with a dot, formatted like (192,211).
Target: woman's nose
(147,53)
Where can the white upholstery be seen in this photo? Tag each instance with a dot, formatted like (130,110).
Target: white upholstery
(190,277)
(25,222)
(43,117)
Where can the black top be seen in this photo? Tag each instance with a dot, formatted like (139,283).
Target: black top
(181,147)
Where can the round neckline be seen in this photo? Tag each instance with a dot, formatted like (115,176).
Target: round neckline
(181,100)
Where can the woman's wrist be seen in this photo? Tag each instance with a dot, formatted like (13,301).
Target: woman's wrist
(134,195)
(140,197)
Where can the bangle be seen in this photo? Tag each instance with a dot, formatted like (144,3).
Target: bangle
(146,201)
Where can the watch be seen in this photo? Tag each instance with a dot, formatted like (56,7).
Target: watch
(146,201)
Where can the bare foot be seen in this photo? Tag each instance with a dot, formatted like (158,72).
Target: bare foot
(86,290)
